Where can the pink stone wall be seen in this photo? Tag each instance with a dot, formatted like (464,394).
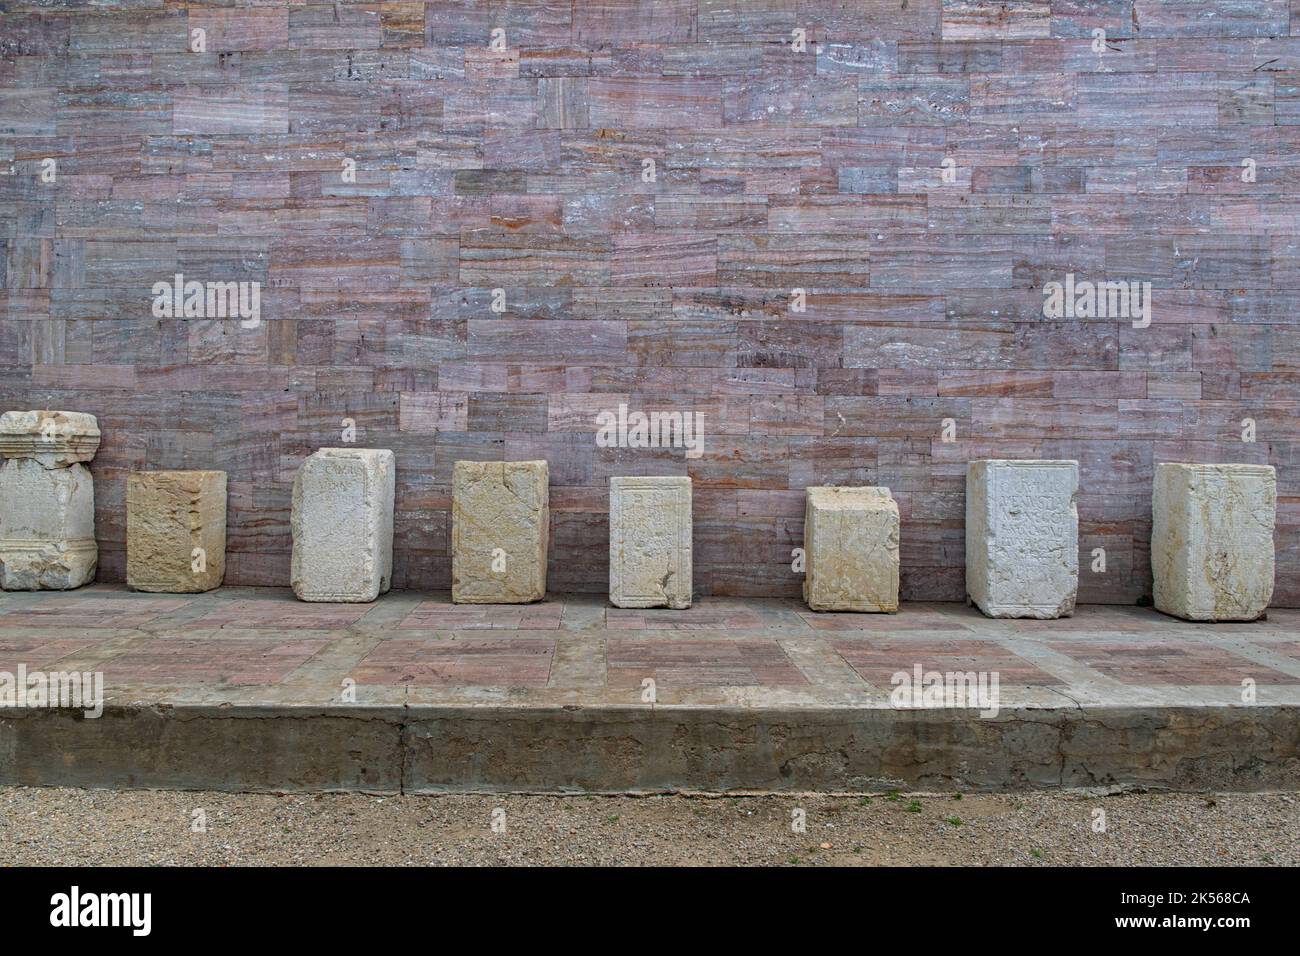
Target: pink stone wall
(775,169)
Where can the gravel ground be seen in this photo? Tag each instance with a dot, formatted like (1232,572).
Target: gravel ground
(87,827)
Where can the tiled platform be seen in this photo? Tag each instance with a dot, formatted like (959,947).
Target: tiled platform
(250,689)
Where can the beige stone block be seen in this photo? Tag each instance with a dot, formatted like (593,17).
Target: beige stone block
(342,524)
(500,529)
(47,526)
(1022,537)
(650,542)
(55,439)
(851,549)
(1212,540)
(176,530)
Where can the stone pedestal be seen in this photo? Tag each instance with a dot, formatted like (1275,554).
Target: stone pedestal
(342,523)
(1212,540)
(650,542)
(47,500)
(500,528)
(851,549)
(1022,537)
(176,530)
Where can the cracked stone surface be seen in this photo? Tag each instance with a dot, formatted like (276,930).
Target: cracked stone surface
(53,438)
(500,531)
(650,542)
(1022,537)
(342,523)
(47,526)
(851,549)
(176,530)
(1212,540)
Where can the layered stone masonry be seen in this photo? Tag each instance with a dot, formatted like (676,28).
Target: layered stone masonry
(1212,540)
(500,531)
(650,542)
(1022,537)
(176,530)
(851,549)
(342,523)
(47,500)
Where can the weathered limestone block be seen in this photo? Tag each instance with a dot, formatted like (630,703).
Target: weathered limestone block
(47,526)
(500,528)
(851,549)
(1022,537)
(176,530)
(342,524)
(1212,540)
(47,500)
(55,439)
(650,542)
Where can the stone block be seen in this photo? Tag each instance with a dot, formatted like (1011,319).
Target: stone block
(342,524)
(176,530)
(650,542)
(1022,537)
(1212,540)
(500,529)
(53,438)
(47,526)
(851,549)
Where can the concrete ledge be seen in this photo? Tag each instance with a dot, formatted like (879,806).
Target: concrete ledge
(626,749)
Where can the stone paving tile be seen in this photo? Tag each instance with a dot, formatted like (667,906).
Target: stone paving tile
(440,615)
(235,661)
(741,662)
(289,615)
(695,618)
(90,612)
(1285,648)
(914,621)
(1158,661)
(876,661)
(486,662)
(37,652)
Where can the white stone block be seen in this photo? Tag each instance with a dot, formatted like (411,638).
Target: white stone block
(53,438)
(1212,540)
(851,549)
(342,525)
(650,542)
(47,526)
(1022,537)
(500,531)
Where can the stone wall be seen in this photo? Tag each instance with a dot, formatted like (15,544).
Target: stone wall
(775,169)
